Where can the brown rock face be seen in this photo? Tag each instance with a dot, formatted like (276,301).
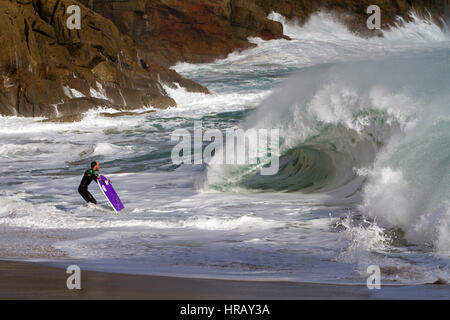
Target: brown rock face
(168,31)
(48,70)
(120,55)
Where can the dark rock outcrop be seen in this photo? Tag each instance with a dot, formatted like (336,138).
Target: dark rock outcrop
(168,31)
(49,70)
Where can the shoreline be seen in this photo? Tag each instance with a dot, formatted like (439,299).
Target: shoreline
(30,280)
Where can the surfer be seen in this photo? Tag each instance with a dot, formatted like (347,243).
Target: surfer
(89,175)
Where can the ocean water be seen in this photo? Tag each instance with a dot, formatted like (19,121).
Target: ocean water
(364,173)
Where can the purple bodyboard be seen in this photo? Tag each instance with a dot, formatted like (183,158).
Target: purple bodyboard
(110,194)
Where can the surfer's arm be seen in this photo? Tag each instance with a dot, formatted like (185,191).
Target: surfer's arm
(95,176)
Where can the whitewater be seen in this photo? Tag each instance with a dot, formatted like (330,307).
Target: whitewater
(364,174)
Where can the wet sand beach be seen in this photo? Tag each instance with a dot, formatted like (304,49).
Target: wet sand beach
(23,280)
(34,281)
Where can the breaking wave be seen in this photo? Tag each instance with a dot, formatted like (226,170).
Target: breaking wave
(384,121)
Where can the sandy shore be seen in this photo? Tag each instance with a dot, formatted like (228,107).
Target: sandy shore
(34,281)
(20,280)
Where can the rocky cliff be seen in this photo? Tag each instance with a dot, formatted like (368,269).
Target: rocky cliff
(48,70)
(168,31)
(119,57)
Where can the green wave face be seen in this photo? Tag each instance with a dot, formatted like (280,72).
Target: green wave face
(335,118)
(307,168)
(323,162)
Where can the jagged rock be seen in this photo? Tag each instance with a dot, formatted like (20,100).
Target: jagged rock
(78,117)
(65,119)
(49,70)
(124,113)
(169,31)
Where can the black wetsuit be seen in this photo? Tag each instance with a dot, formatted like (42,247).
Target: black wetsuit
(89,175)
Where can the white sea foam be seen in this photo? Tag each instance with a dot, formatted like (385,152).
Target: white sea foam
(196,105)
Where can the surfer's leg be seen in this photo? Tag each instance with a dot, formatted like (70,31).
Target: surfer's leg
(83,194)
(91,198)
(87,196)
